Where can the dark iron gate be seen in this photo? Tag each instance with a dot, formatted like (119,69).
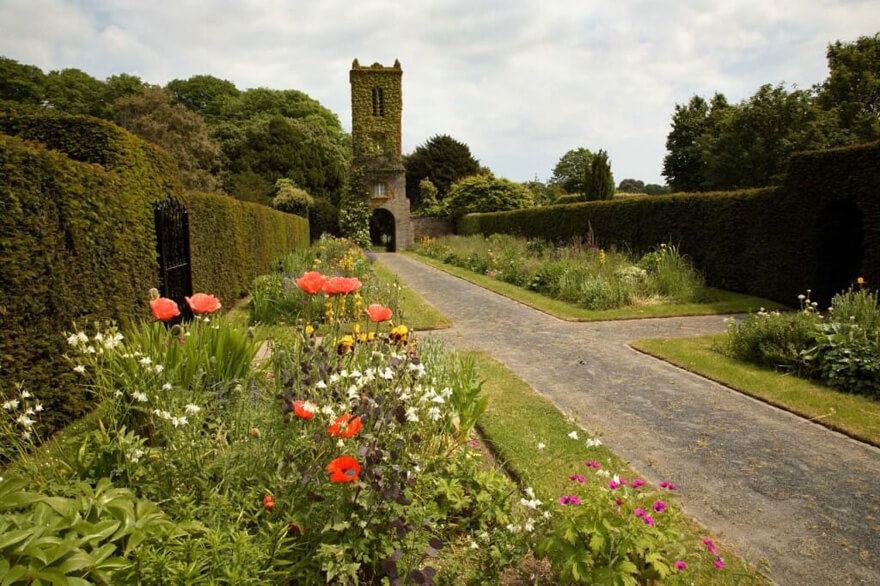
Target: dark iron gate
(172,247)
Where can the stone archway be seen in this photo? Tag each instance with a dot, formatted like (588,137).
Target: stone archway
(383,229)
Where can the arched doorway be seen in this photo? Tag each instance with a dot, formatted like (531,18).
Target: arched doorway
(841,249)
(383,229)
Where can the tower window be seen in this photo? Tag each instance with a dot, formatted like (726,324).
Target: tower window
(378,102)
(378,190)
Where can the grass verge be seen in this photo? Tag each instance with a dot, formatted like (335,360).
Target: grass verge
(721,302)
(518,418)
(853,415)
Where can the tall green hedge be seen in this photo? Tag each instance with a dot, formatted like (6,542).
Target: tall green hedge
(232,242)
(77,241)
(770,242)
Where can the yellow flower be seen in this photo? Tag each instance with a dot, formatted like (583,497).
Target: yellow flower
(861,281)
(400,334)
(357,329)
(345,344)
(310,330)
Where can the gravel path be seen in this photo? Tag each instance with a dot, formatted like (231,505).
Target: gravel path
(781,490)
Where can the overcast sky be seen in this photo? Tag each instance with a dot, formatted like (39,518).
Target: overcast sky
(520,81)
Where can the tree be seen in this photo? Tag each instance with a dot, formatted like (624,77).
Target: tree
(427,193)
(21,83)
(265,102)
(260,152)
(683,163)
(852,90)
(654,189)
(202,93)
(151,115)
(443,160)
(486,193)
(76,92)
(543,194)
(599,184)
(572,168)
(291,199)
(631,186)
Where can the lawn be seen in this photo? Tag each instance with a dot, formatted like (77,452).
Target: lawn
(854,415)
(518,419)
(721,302)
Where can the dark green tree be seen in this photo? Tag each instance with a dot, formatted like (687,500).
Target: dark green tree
(683,164)
(21,83)
(599,184)
(852,90)
(76,92)
(486,193)
(572,168)
(654,189)
(443,160)
(202,93)
(631,186)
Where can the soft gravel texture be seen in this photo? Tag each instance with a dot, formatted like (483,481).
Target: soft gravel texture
(781,490)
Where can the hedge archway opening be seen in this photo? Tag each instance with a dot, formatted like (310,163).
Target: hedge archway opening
(841,249)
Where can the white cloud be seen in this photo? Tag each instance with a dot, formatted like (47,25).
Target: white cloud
(520,81)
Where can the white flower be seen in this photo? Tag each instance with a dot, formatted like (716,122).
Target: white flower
(530,492)
(73,340)
(178,421)
(387,373)
(192,409)
(355,374)
(513,528)
(604,473)
(334,378)
(158,369)
(529,526)
(139,397)
(82,337)
(25,395)
(25,435)
(802,296)
(573,435)
(541,445)
(546,514)
(99,336)
(38,407)
(530,503)
(90,349)
(405,396)
(25,421)
(146,361)
(10,405)
(474,545)
(434,413)
(117,393)
(340,444)
(166,387)
(412,415)
(80,369)
(593,442)
(616,478)
(136,455)
(29,411)
(321,385)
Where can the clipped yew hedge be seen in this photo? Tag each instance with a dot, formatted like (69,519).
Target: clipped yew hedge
(772,242)
(77,242)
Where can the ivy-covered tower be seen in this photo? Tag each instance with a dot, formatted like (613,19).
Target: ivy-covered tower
(376,114)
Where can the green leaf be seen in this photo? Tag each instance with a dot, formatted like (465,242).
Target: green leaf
(14,537)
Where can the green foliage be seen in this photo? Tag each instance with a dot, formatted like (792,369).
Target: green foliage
(202,93)
(264,102)
(486,193)
(76,92)
(291,199)
(599,184)
(566,199)
(631,186)
(427,193)
(443,160)
(771,339)
(150,115)
(543,194)
(571,170)
(654,189)
(852,91)
(846,356)
(323,219)
(354,211)
(21,83)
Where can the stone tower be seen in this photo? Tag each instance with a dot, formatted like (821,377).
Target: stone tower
(376,112)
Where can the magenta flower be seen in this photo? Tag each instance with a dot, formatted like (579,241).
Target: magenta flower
(640,512)
(709,545)
(680,565)
(613,485)
(577,478)
(474,443)
(569,500)
(592,464)
(659,507)
(648,519)
(618,502)
(718,562)
(637,483)
(668,485)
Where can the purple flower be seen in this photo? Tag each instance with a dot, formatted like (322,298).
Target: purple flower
(659,507)
(577,478)
(718,562)
(640,512)
(613,484)
(668,485)
(569,500)
(592,464)
(709,545)
(637,483)
(680,565)
(474,443)
(649,520)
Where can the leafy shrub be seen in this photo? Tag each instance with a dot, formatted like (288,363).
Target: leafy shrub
(847,357)
(771,339)
(323,219)
(291,199)
(858,305)
(485,193)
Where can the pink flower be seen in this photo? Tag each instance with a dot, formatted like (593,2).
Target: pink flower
(680,565)
(709,545)
(659,507)
(613,484)
(668,485)
(592,464)
(577,478)
(649,520)
(640,512)
(618,502)
(718,562)
(637,483)
(569,500)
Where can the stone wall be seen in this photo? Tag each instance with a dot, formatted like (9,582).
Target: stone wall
(431,227)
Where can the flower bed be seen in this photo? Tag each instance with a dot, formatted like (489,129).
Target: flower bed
(579,273)
(840,348)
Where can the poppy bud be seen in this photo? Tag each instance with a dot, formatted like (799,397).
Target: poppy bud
(269,502)
(255,432)
(154,293)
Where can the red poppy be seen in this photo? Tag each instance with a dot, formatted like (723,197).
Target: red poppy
(203,303)
(345,426)
(311,282)
(342,285)
(304,409)
(164,308)
(269,502)
(344,469)
(379,313)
